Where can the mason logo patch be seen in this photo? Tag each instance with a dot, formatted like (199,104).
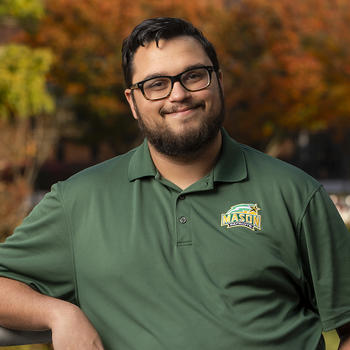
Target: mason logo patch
(242,215)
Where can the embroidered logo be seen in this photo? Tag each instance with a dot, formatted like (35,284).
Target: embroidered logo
(242,215)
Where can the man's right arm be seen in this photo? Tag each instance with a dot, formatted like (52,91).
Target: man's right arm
(23,308)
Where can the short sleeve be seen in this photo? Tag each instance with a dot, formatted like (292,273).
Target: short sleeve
(39,252)
(325,244)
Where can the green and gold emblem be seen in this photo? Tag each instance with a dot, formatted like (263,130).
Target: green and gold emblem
(242,215)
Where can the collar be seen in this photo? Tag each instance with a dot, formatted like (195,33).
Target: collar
(141,164)
(231,166)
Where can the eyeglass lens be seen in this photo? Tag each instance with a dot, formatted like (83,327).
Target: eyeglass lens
(193,80)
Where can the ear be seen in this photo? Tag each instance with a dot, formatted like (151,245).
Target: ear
(131,100)
(221,77)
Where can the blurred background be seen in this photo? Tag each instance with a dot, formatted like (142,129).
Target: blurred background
(286,68)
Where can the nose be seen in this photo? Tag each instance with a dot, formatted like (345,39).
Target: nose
(178,93)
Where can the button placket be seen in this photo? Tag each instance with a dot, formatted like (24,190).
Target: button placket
(183,224)
(183,220)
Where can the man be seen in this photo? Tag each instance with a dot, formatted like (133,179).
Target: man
(190,241)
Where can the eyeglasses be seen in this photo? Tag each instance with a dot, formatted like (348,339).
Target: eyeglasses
(193,79)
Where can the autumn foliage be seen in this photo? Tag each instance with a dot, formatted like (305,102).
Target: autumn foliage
(286,63)
(85,37)
(25,108)
(287,66)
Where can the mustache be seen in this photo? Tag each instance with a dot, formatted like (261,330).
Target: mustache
(180,107)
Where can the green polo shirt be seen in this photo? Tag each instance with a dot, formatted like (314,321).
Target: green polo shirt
(253,256)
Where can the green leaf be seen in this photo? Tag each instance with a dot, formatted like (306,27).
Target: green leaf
(23,91)
(22,8)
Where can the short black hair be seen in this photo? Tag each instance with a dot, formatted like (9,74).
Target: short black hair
(154,29)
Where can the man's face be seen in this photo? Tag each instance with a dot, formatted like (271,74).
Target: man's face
(182,123)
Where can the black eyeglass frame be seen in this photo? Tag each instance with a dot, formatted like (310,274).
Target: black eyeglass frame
(174,79)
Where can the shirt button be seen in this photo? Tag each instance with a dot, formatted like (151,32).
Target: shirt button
(183,220)
(182,196)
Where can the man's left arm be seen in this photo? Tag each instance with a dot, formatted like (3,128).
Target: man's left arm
(344,335)
(325,246)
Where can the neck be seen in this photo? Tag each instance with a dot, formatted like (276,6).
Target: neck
(185,171)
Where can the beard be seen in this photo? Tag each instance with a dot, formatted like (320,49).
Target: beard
(188,144)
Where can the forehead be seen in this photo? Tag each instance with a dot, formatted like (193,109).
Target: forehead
(170,57)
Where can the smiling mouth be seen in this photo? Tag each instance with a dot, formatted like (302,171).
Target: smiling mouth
(181,110)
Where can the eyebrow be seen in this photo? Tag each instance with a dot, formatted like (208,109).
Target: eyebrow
(160,74)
